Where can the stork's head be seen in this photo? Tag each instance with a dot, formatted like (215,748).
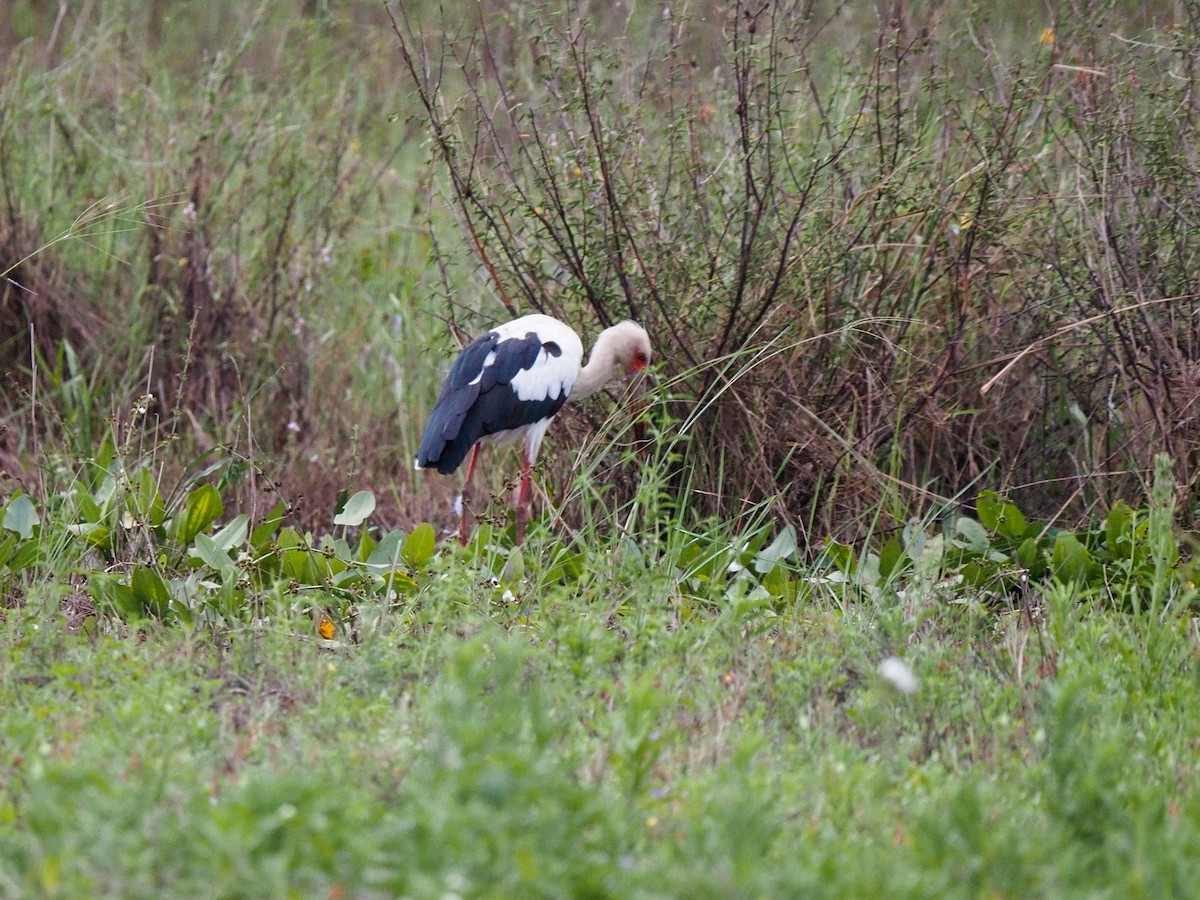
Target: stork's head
(631,346)
(620,352)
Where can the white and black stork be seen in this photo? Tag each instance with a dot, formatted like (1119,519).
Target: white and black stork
(510,382)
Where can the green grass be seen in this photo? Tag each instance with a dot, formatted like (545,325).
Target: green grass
(625,740)
(234,663)
(665,714)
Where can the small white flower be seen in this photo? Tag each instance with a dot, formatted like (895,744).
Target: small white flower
(189,211)
(507,597)
(458,506)
(896,672)
(293,426)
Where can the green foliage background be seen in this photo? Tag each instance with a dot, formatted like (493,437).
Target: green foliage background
(239,243)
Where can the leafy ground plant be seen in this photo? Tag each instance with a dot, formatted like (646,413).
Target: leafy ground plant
(637,730)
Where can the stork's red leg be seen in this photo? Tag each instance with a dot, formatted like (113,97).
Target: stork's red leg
(523,501)
(465,524)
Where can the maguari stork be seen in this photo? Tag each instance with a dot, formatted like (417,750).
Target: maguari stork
(508,385)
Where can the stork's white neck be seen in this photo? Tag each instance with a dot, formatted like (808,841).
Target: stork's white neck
(602,364)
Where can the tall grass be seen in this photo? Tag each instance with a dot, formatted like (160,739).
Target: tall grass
(249,261)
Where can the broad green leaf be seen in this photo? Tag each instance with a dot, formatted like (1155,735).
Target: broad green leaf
(748,605)
(109,594)
(234,533)
(105,455)
(890,555)
(289,538)
(366,543)
(231,599)
(309,567)
(386,553)
(782,547)
(397,580)
(97,534)
(27,555)
(8,546)
(346,578)
(1028,555)
(338,546)
(713,561)
(320,568)
(977,572)
(480,541)
(88,509)
(688,553)
(356,510)
(108,486)
(147,501)
(514,568)
(776,582)
(292,563)
(1070,559)
(1118,530)
(202,508)
(419,547)
(1000,516)
(565,565)
(266,530)
(402,581)
(933,553)
(211,554)
(1014,524)
(331,566)
(753,544)
(973,533)
(913,538)
(987,505)
(840,555)
(21,516)
(150,591)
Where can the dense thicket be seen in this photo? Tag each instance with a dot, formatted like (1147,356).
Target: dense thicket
(888,258)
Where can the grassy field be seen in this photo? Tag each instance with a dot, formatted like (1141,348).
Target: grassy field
(898,601)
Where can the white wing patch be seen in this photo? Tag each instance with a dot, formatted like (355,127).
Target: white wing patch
(549,378)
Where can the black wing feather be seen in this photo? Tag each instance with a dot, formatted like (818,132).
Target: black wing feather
(466,411)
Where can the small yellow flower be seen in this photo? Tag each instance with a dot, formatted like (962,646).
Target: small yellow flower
(966,221)
(1046,39)
(652,822)
(326,629)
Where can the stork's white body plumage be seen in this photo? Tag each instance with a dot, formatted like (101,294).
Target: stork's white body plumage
(508,385)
